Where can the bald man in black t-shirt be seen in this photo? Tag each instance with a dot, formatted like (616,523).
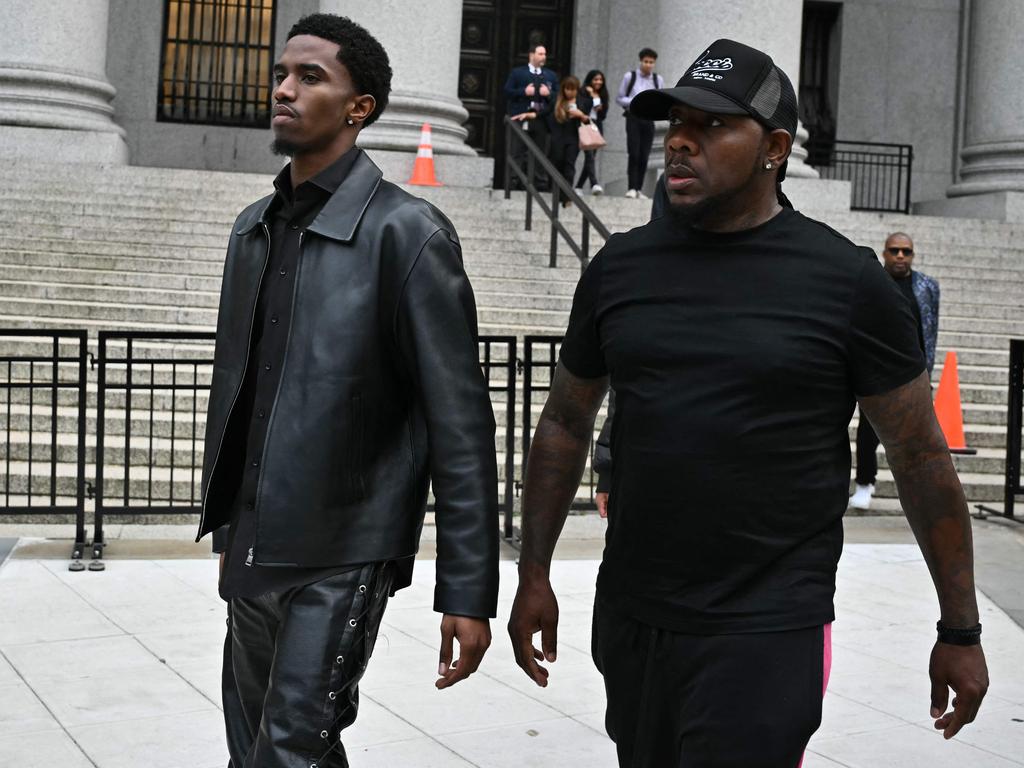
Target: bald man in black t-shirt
(738,335)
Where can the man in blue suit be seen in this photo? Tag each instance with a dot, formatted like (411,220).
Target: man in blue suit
(922,292)
(530,93)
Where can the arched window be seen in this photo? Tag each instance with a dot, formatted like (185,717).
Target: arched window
(217,61)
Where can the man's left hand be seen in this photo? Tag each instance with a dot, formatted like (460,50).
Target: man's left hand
(963,669)
(474,636)
(545,91)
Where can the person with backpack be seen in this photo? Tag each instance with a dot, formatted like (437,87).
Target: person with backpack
(639,132)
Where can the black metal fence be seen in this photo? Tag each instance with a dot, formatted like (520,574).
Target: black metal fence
(43,380)
(880,174)
(500,366)
(151,401)
(1014,432)
(540,359)
(151,415)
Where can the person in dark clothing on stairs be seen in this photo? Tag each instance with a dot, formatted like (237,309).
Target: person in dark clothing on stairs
(922,293)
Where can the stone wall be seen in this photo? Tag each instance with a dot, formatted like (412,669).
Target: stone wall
(133,67)
(897,82)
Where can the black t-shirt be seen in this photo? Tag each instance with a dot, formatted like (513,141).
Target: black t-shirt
(735,359)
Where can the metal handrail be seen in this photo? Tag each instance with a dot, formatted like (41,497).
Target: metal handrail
(881,174)
(559,187)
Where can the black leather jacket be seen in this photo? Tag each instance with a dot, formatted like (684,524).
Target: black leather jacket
(381,392)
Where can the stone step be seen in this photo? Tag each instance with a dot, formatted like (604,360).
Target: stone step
(977,487)
(991,358)
(975,374)
(180,237)
(988,461)
(150,223)
(176,264)
(972,340)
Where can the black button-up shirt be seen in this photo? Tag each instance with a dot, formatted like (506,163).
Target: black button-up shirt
(290,212)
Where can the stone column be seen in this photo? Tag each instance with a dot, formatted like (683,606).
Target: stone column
(993,146)
(772,26)
(53,83)
(422,42)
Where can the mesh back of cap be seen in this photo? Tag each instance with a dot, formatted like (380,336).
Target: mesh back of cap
(766,100)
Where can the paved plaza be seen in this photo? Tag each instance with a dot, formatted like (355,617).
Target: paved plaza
(121,668)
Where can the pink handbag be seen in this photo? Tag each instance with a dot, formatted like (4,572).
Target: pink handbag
(590,137)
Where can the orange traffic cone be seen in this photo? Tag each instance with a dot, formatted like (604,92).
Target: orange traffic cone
(423,170)
(947,407)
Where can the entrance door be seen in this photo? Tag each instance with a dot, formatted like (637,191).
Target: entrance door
(819,77)
(495,38)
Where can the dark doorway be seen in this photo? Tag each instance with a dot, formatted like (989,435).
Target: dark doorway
(819,76)
(495,37)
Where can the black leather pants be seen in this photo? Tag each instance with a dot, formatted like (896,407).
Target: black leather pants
(292,664)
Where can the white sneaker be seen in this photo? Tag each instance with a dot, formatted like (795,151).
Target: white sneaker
(641,196)
(861,498)
(632,193)
(596,190)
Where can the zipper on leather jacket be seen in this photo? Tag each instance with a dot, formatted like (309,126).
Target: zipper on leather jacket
(277,395)
(248,558)
(241,381)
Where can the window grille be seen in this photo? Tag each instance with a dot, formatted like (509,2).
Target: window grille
(217,62)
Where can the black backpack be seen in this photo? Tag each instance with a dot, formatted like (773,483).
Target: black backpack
(658,83)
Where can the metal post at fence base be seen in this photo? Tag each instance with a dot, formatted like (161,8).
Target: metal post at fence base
(555,205)
(80,535)
(1014,426)
(101,415)
(530,181)
(510,438)
(508,162)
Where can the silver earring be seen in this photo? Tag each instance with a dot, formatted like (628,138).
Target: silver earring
(350,121)
(768,165)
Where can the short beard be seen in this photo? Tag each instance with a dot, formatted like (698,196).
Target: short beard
(699,213)
(284,147)
(712,208)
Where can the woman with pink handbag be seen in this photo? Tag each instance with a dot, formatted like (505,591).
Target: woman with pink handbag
(571,115)
(594,86)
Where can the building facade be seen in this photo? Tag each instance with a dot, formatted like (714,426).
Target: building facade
(186,83)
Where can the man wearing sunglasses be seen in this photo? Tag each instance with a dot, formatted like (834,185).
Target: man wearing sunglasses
(923,294)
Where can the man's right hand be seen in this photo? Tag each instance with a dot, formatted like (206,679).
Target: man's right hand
(535,610)
(602,503)
(529,90)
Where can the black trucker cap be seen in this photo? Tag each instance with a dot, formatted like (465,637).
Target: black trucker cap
(729,78)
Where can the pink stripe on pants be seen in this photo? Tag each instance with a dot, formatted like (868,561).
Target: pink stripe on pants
(826,656)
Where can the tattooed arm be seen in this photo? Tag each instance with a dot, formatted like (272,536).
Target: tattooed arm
(936,509)
(558,455)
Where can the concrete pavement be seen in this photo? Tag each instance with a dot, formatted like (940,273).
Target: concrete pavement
(121,668)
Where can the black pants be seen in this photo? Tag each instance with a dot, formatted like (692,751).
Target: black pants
(692,701)
(563,157)
(292,665)
(867,444)
(639,138)
(589,172)
(538,131)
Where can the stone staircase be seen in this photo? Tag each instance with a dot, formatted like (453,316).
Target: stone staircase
(142,249)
